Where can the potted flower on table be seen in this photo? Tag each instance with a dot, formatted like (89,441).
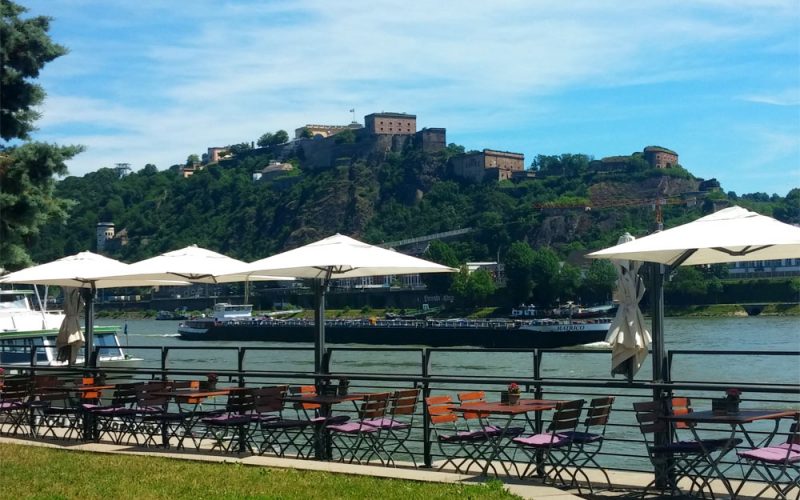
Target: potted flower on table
(513,393)
(211,383)
(732,398)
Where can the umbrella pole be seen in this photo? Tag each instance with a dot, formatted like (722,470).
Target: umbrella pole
(88,299)
(319,324)
(657,272)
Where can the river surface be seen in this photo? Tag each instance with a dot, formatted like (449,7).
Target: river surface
(749,334)
(752,334)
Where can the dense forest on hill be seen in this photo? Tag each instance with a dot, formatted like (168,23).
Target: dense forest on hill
(539,228)
(405,195)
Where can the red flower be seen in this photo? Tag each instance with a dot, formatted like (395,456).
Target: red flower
(212,377)
(733,392)
(513,388)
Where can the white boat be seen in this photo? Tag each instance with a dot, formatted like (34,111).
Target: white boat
(22,327)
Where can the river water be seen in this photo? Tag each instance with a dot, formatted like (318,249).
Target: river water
(752,334)
(749,334)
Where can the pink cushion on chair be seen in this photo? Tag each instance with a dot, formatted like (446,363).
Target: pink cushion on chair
(771,454)
(386,423)
(543,440)
(352,428)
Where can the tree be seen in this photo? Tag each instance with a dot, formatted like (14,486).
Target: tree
(239,148)
(544,272)
(270,139)
(599,282)
(25,49)
(27,201)
(518,267)
(441,253)
(192,160)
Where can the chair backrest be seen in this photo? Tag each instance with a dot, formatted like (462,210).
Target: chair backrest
(147,394)
(472,397)
(374,405)
(186,384)
(439,409)
(269,399)
(125,394)
(307,390)
(566,416)
(241,401)
(404,402)
(16,389)
(648,415)
(598,413)
(680,406)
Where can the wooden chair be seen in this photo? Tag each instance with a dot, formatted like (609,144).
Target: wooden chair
(358,439)
(588,442)
(552,448)
(454,443)
(397,427)
(778,466)
(229,429)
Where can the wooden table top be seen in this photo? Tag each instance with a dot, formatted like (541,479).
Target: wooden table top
(324,399)
(495,408)
(743,416)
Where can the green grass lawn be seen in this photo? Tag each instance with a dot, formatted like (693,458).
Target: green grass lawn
(33,472)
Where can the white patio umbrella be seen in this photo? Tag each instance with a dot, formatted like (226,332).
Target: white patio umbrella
(87,271)
(628,334)
(197,265)
(731,235)
(339,256)
(70,337)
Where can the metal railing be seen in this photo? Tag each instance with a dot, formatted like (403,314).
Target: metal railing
(624,448)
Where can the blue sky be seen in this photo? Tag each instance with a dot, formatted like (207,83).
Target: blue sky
(154,81)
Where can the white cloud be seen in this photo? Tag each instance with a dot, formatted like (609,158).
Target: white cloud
(175,81)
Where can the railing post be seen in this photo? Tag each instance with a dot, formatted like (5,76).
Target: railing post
(164,353)
(240,365)
(426,392)
(538,390)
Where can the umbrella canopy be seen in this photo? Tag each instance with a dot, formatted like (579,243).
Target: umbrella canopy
(731,235)
(85,270)
(70,337)
(194,264)
(339,256)
(628,335)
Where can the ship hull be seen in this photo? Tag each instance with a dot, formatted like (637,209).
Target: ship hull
(433,337)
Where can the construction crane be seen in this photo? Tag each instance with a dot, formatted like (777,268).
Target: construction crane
(602,203)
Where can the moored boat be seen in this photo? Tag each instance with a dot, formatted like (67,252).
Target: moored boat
(430,332)
(22,328)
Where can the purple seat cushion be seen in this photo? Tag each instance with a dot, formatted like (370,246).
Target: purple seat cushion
(544,440)
(226,420)
(10,405)
(772,455)
(285,424)
(338,419)
(352,428)
(462,436)
(386,423)
(583,437)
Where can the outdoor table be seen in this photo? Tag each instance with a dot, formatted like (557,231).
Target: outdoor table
(84,392)
(195,398)
(322,441)
(737,422)
(524,407)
